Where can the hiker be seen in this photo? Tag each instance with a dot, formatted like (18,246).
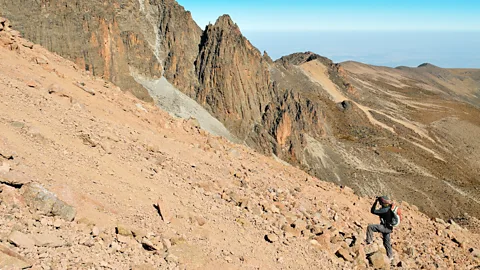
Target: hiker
(386,223)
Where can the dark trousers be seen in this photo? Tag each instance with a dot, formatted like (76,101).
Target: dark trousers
(386,236)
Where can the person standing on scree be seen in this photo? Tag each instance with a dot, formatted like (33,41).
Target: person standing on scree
(386,224)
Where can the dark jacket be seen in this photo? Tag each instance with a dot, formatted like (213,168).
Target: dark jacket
(385,214)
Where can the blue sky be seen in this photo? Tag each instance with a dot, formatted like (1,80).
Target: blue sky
(379,32)
(308,15)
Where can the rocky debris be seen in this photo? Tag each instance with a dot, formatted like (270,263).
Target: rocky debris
(20,239)
(46,202)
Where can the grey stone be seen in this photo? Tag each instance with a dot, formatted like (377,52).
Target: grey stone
(46,202)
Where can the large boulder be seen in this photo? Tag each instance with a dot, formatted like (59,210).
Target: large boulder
(46,202)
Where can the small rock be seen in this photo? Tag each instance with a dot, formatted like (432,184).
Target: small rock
(115,246)
(167,243)
(57,223)
(345,254)
(291,232)
(300,224)
(271,237)
(123,230)
(95,231)
(200,220)
(54,88)
(171,258)
(5,168)
(20,239)
(27,44)
(162,210)
(123,239)
(148,245)
(475,253)
(32,84)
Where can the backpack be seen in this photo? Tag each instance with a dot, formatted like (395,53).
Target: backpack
(397,215)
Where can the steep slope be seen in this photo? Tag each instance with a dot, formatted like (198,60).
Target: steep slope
(376,129)
(222,205)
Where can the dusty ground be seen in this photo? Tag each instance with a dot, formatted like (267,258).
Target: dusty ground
(113,157)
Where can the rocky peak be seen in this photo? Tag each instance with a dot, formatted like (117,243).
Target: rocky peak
(225,21)
(233,76)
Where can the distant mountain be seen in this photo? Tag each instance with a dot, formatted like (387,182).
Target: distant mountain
(408,132)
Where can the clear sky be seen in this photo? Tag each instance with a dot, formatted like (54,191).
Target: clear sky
(356,29)
(306,15)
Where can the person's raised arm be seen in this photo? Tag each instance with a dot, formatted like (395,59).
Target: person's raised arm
(374,207)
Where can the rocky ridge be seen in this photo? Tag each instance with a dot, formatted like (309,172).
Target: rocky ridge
(138,189)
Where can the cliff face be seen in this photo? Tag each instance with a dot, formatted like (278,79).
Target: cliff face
(234,77)
(378,130)
(113,38)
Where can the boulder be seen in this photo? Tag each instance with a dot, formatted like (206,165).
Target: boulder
(46,202)
(20,239)
(344,254)
(48,240)
(377,260)
(13,178)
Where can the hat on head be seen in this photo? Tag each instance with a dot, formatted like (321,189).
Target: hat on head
(385,200)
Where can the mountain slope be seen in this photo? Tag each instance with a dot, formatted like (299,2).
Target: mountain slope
(376,129)
(113,157)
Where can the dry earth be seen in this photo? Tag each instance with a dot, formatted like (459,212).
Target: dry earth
(221,205)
